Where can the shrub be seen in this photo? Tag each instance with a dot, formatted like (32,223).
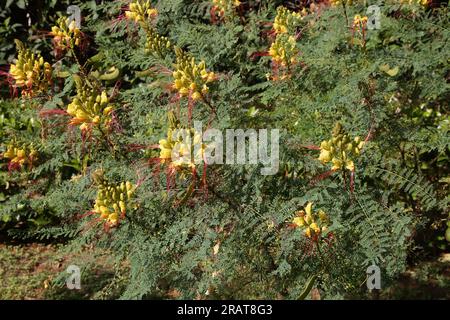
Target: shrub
(363,173)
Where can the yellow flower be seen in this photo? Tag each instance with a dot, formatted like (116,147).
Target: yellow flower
(107,111)
(211,77)
(103,98)
(339,2)
(308,208)
(339,148)
(141,11)
(423,3)
(66,35)
(308,232)
(166,149)
(313,223)
(122,206)
(9,154)
(20,155)
(90,107)
(359,21)
(152,12)
(284,50)
(30,72)
(96,120)
(113,218)
(325,156)
(323,216)
(226,7)
(314,227)
(196,96)
(179,150)
(112,200)
(184,91)
(337,164)
(286,21)
(156,44)
(189,76)
(299,221)
(350,165)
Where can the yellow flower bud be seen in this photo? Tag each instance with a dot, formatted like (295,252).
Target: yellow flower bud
(129,194)
(113,218)
(107,111)
(211,77)
(20,153)
(104,98)
(122,206)
(196,96)
(96,120)
(184,91)
(323,216)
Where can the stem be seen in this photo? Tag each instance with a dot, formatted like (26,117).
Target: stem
(345,13)
(210,106)
(105,136)
(78,62)
(228,201)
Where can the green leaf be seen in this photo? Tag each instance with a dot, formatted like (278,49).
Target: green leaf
(21,4)
(393,72)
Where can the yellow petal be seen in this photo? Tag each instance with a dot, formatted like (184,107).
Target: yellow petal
(299,221)
(350,165)
(314,227)
(308,232)
(104,98)
(337,164)
(308,208)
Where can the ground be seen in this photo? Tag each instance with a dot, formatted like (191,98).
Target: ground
(32,271)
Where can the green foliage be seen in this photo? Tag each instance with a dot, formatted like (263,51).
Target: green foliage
(229,236)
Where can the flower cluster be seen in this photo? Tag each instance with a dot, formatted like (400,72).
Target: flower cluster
(339,149)
(313,223)
(284,50)
(30,71)
(19,156)
(190,79)
(182,148)
(66,35)
(423,3)
(344,2)
(359,27)
(157,44)
(225,6)
(141,11)
(90,107)
(113,200)
(286,21)
(359,22)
